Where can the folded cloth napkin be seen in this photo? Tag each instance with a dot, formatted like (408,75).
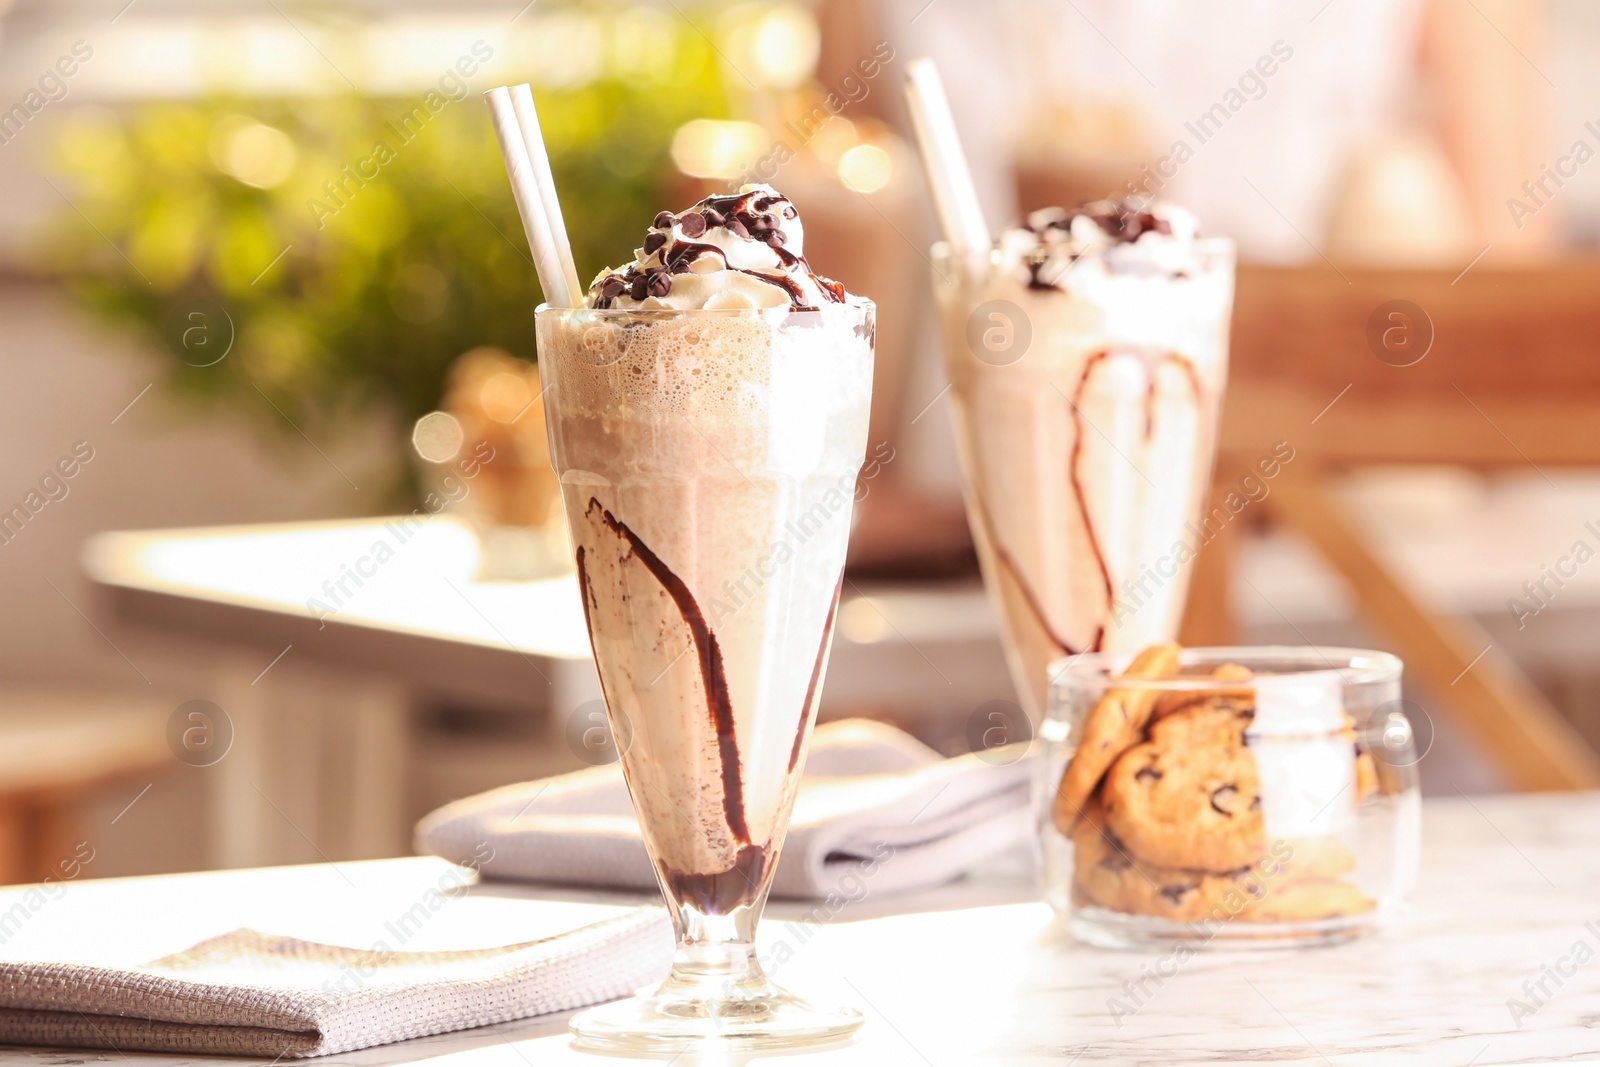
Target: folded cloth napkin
(874,803)
(252,994)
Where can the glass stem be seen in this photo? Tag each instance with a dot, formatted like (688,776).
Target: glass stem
(716,954)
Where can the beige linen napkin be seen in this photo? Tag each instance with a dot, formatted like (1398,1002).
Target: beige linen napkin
(252,994)
(875,807)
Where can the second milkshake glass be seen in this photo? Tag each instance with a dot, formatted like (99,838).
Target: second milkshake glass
(708,461)
(1086,418)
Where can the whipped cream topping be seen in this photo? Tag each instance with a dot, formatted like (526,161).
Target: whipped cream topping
(741,251)
(1154,239)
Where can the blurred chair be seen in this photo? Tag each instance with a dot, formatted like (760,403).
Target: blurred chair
(1486,368)
(58,748)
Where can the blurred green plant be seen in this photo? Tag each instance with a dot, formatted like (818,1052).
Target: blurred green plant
(357,300)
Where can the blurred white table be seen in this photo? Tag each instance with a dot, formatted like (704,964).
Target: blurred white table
(318,639)
(975,973)
(315,639)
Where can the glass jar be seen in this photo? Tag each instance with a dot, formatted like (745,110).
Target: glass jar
(1257,796)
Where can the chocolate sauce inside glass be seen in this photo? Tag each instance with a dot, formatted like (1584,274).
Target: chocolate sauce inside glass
(816,676)
(715,892)
(721,892)
(708,653)
(1153,362)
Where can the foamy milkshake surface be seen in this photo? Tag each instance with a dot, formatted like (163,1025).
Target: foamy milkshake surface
(745,250)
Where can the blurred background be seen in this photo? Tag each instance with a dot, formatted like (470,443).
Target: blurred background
(276,541)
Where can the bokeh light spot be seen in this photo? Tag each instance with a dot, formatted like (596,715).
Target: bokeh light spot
(252,152)
(866,168)
(437,437)
(712,148)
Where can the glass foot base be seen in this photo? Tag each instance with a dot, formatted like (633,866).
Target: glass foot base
(675,1020)
(1105,928)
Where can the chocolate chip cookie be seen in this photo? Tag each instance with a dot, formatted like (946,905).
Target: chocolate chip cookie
(1308,900)
(1308,858)
(1191,795)
(1112,725)
(1229,690)
(1107,873)
(1292,881)
(1366,776)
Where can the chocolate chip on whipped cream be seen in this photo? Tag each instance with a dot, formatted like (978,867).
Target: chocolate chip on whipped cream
(1153,238)
(746,250)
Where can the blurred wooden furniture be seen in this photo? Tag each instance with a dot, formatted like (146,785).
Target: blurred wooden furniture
(58,748)
(1509,380)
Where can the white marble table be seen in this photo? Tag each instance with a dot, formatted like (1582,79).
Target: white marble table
(975,973)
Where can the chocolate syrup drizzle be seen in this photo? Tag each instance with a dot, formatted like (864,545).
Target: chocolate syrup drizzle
(749,216)
(1153,363)
(1119,220)
(816,675)
(709,654)
(718,892)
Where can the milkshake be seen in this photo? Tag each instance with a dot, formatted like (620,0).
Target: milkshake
(708,416)
(1087,356)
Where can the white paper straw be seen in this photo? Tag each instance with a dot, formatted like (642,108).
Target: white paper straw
(533,138)
(530,205)
(955,198)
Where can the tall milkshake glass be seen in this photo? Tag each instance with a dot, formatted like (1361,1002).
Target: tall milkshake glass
(708,460)
(1087,356)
